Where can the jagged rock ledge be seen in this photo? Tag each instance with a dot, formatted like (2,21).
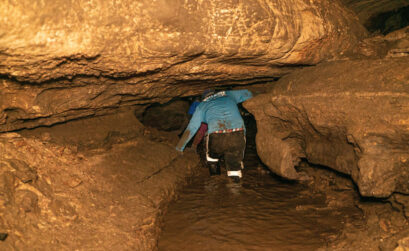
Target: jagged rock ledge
(351,116)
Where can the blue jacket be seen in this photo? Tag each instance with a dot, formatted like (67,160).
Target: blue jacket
(193,107)
(219,112)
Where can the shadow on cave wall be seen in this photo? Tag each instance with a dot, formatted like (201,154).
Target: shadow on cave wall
(387,22)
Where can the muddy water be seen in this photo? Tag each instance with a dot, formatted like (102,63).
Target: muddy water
(261,213)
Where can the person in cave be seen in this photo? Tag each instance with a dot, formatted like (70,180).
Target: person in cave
(202,129)
(226,131)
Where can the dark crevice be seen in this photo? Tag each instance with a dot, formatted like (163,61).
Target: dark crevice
(387,22)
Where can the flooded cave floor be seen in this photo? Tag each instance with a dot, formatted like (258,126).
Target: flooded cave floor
(114,195)
(265,212)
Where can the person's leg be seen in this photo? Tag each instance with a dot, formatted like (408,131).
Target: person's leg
(234,155)
(213,153)
(202,151)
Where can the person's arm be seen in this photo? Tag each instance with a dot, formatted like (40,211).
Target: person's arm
(193,107)
(191,129)
(240,95)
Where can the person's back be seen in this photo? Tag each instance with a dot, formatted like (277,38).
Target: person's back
(226,130)
(222,114)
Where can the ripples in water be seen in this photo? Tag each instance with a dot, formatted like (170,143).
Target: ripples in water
(261,213)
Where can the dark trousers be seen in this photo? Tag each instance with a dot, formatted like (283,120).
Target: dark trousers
(229,146)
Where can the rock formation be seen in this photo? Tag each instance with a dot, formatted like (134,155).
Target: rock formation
(61,190)
(61,60)
(97,63)
(351,116)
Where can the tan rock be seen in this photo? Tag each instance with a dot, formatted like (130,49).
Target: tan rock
(351,116)
(403,245)
(112,197)
(71,59)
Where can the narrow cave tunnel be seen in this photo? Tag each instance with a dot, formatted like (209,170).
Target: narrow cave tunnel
(389,21)
(94,98)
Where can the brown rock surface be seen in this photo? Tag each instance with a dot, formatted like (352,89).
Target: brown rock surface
(61,60)
(106,196)
(351,116)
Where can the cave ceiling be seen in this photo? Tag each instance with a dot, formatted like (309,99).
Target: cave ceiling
(61,60)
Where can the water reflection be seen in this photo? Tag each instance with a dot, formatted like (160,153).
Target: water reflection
(262,213)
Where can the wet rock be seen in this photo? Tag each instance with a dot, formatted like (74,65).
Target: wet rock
(22,170)
(398,43)
(401,201)
(7,188)
(60,207)
(349,116)
(403,245)
(168,117)
(128,53)
(108,192)
(43,188)
(27,201)
(74,181)
(92,132)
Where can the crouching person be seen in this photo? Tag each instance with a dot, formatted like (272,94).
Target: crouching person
(226,131)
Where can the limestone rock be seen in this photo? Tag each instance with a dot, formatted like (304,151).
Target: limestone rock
(401,201)
(62,60)
(92,132)
(22,170)
(403,245)
(27,201)
(62,39)
(112,196)
(398,42)
(351,116)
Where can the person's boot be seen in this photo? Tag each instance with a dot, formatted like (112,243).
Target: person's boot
(235,175)
(214,168)
(235,179)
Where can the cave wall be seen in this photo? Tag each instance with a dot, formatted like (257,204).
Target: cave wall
(90,184)
(351,116)
(61,60)
(371,12)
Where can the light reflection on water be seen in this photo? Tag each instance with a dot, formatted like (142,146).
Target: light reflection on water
(262,213)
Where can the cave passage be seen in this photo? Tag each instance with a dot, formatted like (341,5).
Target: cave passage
(264,212)
(389,21)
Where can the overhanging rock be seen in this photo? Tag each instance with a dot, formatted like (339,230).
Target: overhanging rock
(61,60)
(352,116)
(49,40)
